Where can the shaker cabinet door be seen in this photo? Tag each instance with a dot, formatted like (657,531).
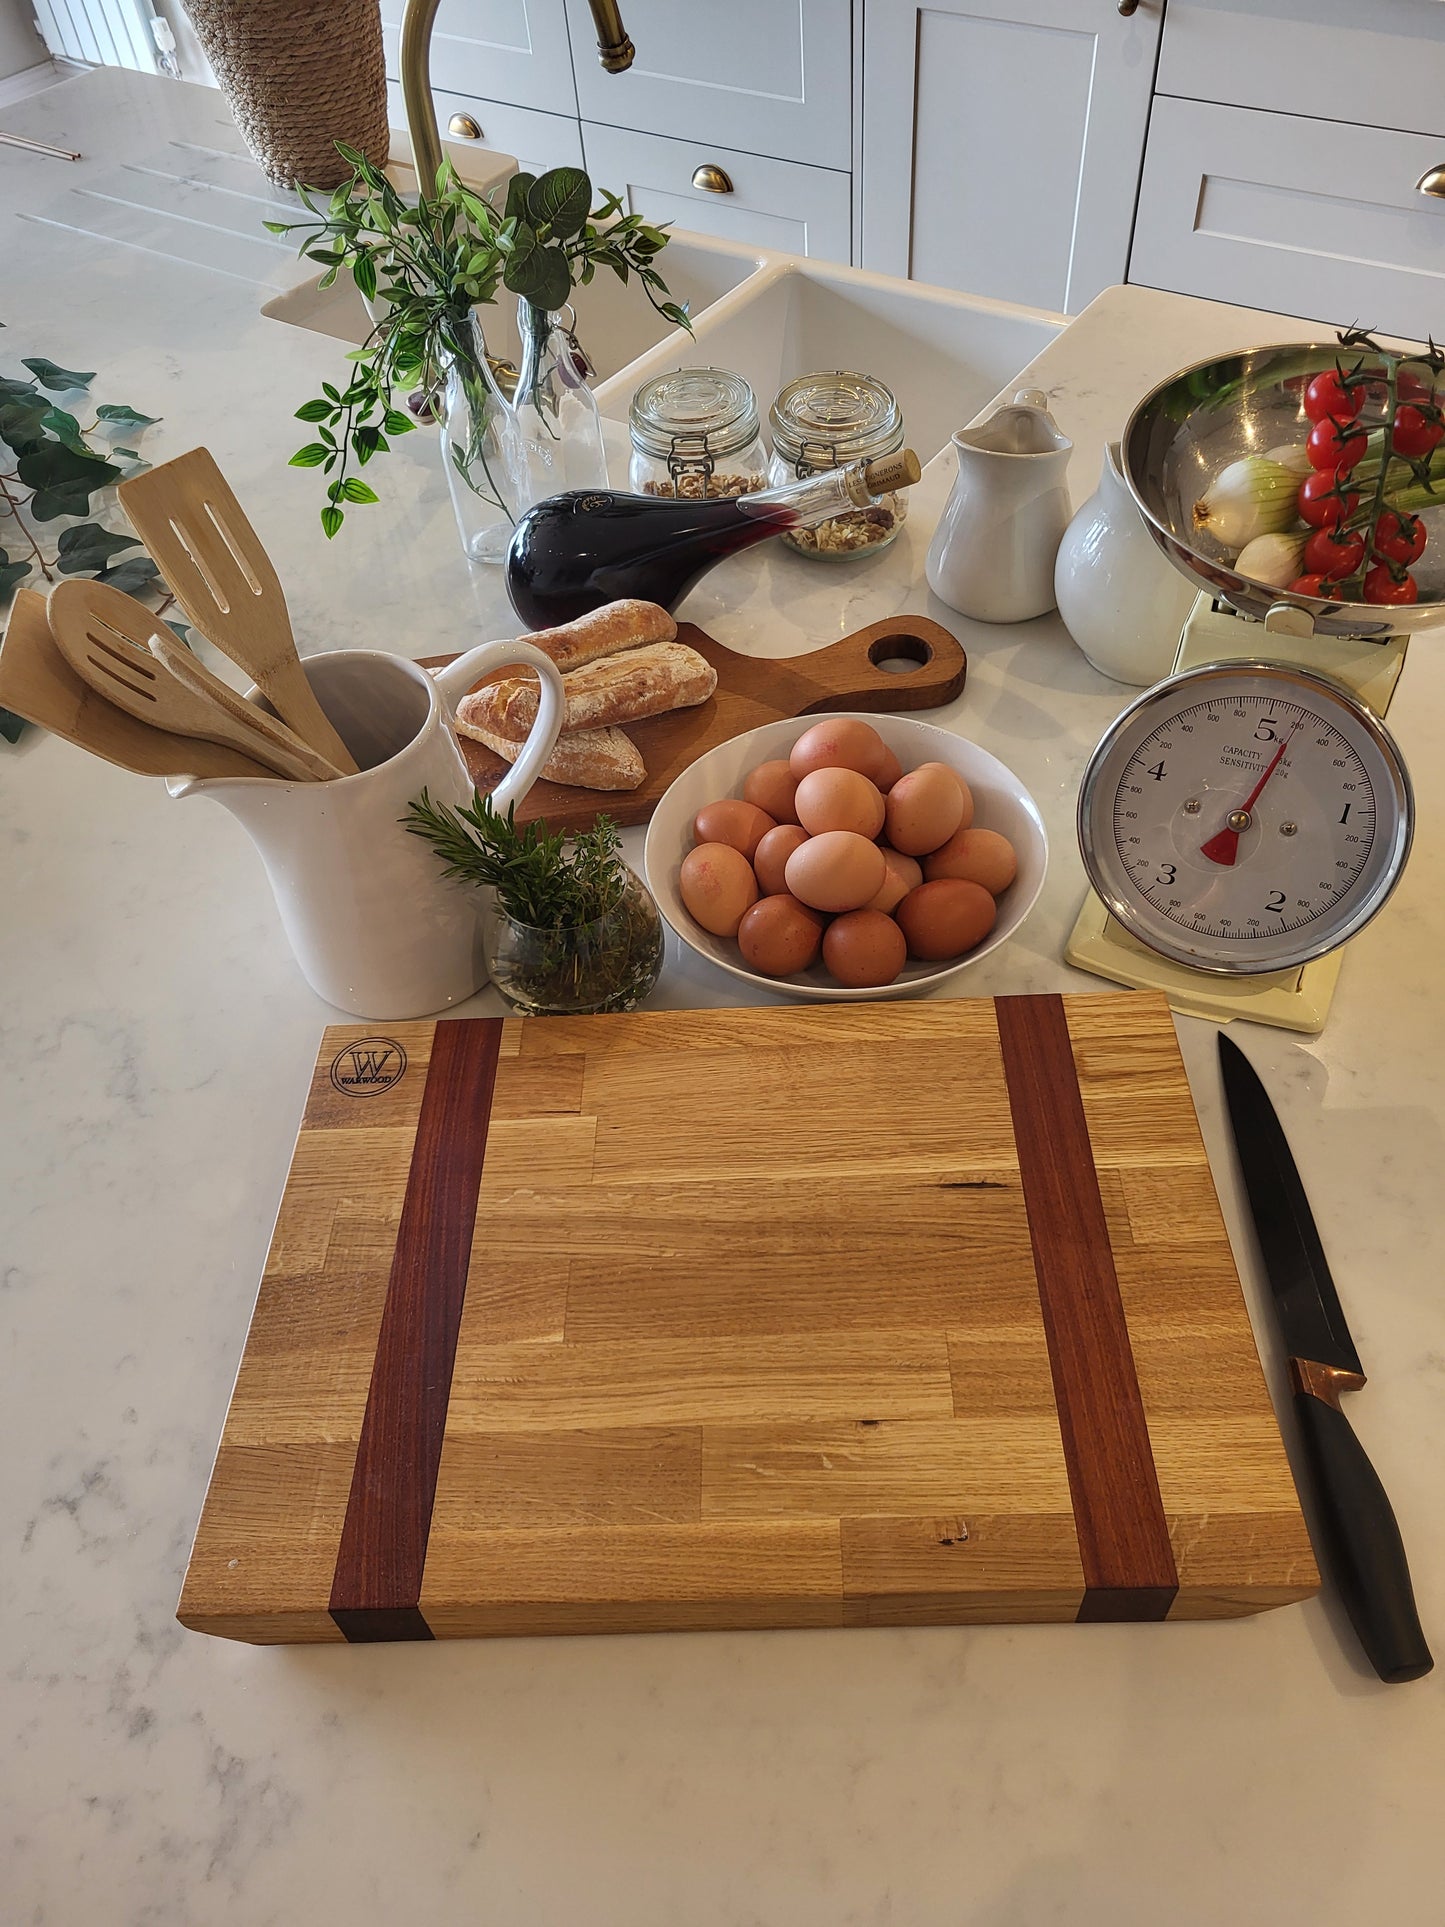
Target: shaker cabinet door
(538,141)
(759,75)
(1002,142)
(507,50)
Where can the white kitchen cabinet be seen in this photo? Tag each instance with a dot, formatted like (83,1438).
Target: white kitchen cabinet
(515,51)
(1001,143)
(1310,217)
(538,141)
(756,75)
(767,203)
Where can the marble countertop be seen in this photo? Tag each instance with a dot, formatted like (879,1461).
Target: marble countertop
(155,1041)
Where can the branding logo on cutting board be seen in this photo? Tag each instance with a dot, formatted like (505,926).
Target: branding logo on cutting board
(368,1067)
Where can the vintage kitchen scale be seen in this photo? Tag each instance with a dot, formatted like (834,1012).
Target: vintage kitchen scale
(1244,818)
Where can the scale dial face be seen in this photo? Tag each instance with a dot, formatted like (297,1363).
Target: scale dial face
(1245,817)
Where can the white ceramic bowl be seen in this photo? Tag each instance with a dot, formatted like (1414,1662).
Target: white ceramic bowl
(1000,803)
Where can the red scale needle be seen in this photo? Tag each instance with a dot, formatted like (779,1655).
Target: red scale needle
(1224,847)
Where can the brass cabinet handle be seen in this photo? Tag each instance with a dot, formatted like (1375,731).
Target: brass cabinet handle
(1126,7)
(464,127)
(1432,181)
(712,179)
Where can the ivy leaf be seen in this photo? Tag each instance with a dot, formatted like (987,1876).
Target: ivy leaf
(20,421)
(11,575)
(137,572)
(331,520)
(355,490)
(63,479)
(181,631)
(312,456)
(57,380)
(86,548)
(124,416)
(518,188)
(65,428)
(561,197)
(11,726)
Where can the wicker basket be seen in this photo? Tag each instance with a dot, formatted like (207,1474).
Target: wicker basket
(300,76)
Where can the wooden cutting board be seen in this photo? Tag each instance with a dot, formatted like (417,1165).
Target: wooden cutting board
(903,1313)
(751,690)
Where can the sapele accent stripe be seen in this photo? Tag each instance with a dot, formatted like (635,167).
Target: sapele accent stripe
(376,1586)
(1129,1569)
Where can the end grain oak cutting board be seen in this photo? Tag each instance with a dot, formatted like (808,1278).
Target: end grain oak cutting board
(751,690)
(904,1313)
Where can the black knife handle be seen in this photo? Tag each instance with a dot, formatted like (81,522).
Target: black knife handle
(1362,1543)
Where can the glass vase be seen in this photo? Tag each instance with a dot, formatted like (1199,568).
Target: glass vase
(608,964)
(480,459)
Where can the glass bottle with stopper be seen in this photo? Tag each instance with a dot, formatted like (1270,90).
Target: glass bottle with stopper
(575,551)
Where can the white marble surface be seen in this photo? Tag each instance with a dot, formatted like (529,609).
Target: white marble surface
(154,1046)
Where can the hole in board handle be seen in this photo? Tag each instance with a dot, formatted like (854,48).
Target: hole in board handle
(900,653)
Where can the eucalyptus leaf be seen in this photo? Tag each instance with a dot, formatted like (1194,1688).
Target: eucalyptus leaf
(86,548)
(518,188)
(58,380)
(560,198)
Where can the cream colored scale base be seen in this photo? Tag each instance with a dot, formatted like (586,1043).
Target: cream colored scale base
(1297,999)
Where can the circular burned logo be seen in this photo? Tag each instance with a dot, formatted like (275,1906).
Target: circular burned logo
(368,1067)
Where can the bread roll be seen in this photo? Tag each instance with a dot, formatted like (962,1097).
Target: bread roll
(641,682)
(590,759)
(628,624)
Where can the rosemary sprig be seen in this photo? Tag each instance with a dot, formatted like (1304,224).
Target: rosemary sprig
(538,879)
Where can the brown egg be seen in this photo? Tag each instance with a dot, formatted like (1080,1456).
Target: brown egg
(844,744)
(964,791)
(839,799)
(888,771)
(864,949)
(977,856)
(923,809)
(771,787)
(943,919)
(770,859)
(779,935)
(717,884)
(836,871)
(903,875)
(733,821)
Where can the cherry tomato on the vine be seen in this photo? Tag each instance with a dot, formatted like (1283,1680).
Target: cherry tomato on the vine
(1399,538)
(1322,502)
(1329,395)
(1334,552)
(1315,585)
(1418,427)
(1386,584)
(1411,387)
(1336,444)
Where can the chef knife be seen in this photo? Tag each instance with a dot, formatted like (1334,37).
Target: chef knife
(1361,1541)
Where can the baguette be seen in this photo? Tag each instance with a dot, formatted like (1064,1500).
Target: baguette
(646,681)
(589,759)
(627,624)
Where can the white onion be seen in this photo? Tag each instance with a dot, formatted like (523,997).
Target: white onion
(1249,498)
(1272,559)
(1291,455)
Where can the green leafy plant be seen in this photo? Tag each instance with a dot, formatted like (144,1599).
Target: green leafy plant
(426,266)
(51,470)
(584,934)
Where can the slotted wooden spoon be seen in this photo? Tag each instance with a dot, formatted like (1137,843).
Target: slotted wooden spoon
(39,684)
(222,577)
(105,637)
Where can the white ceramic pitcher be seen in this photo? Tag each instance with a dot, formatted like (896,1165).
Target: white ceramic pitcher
(376,927)
(992,554)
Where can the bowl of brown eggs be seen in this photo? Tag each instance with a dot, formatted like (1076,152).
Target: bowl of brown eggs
(846,856)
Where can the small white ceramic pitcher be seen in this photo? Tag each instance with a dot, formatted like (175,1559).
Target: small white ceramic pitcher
(376,927)
(992,554)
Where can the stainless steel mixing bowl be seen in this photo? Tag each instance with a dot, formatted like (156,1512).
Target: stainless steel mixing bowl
(1195,424)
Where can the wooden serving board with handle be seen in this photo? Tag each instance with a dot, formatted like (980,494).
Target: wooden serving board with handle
(904,1313)
(751,690)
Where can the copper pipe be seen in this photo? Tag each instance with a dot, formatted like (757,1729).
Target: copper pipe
(614,50)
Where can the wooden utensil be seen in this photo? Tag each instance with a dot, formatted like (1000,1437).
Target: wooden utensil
(857,1314)
(105,636)
(222,577)
(39,684)
(751,690)
(195,676)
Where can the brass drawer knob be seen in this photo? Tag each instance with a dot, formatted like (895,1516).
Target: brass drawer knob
(1432,181)
(712,180)
(1126,7)
(464,127)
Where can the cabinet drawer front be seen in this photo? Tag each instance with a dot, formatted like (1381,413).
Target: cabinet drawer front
(512,50)
(763,77)
(773,204)
(1380,66)
(539,141)
(1309,217)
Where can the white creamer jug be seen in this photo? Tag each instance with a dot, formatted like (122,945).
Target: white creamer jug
(992,554)
(377,929)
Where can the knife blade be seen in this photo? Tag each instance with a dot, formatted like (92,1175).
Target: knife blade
(1357,1535)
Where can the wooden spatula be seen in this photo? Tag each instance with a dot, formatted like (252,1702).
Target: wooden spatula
(195,676)
(222,577)
(39,684)
(105,636)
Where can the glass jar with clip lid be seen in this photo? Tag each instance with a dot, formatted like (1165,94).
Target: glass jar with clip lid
(824,421)
(695,433)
